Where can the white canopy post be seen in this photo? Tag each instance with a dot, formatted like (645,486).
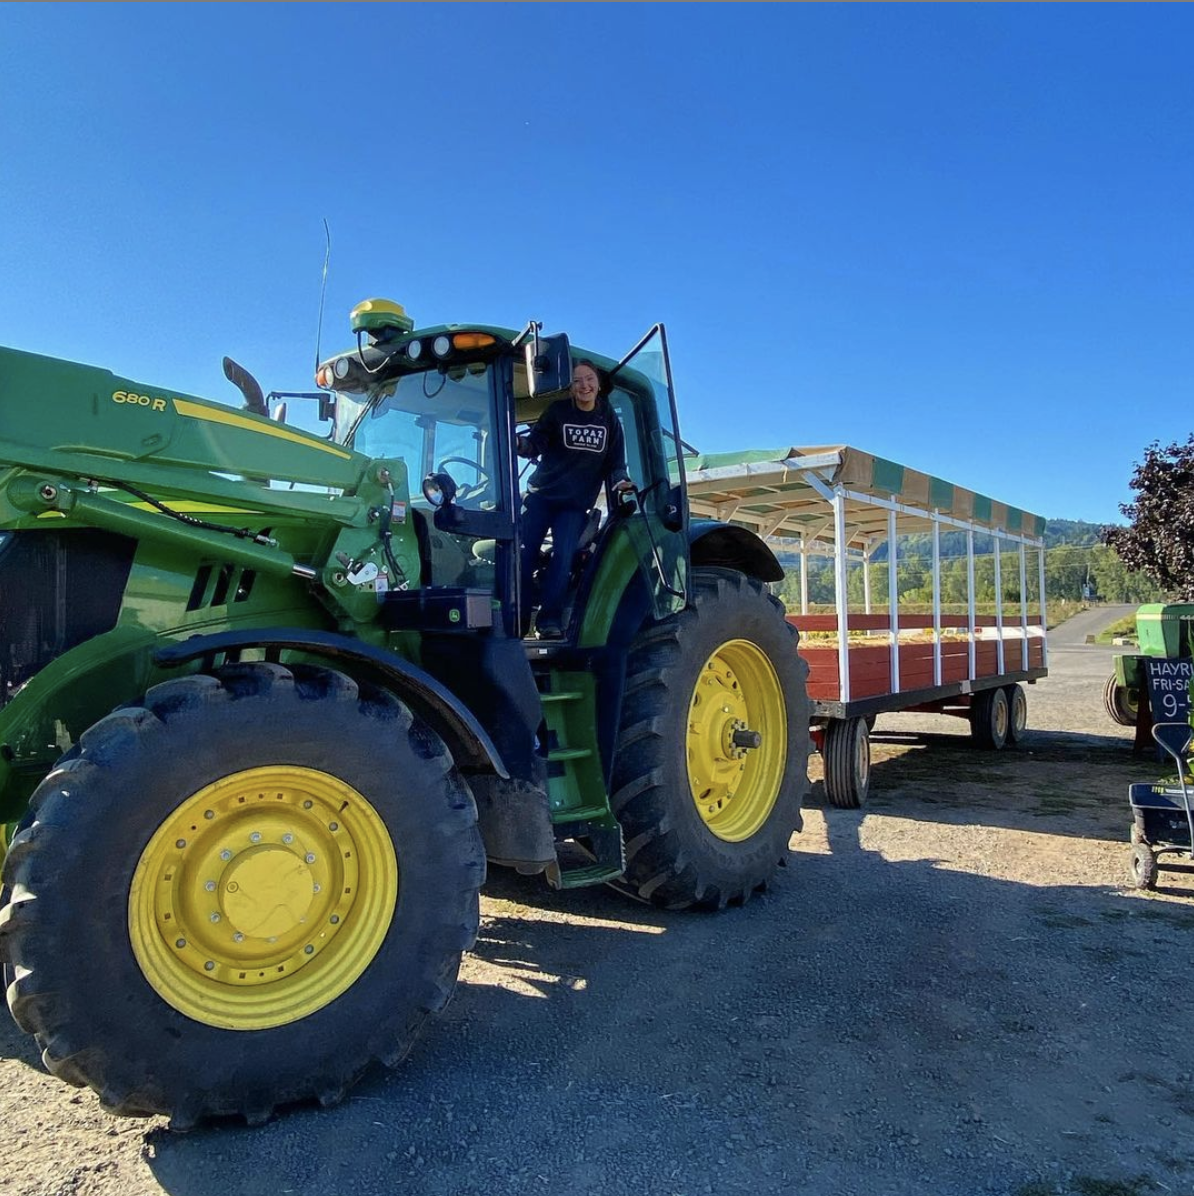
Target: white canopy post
(840,597)
(803,576)
(866,578)
(998,546)
(936,599)
(1023,608)
(1040,556)
(970,606)
(893,599)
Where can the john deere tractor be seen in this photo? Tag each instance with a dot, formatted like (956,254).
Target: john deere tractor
(266,707)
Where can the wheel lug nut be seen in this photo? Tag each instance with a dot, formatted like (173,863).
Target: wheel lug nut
(317,888)
(209,966)
(238,937)
(308,950)
(334,919)
(255,837)
(333,826)
(180,844)
(209,814)
(225,854)
(310,857)
(215,917)
(180,943)
(210,886)
(288,838)
(307,805)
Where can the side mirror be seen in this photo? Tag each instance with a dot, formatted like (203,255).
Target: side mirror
(549,365)
(672,514)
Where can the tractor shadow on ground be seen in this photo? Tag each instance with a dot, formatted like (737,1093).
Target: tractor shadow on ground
(863,1026)
(1059,783)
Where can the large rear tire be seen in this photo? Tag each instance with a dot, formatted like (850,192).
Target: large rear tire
(241,893)
(1121,702)
(711,760)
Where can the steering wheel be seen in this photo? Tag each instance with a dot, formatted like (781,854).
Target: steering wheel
(466,490)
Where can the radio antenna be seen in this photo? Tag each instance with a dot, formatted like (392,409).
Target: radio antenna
(323,289)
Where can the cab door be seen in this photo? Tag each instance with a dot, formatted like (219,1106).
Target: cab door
(643,395)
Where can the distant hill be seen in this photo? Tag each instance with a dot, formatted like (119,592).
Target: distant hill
(1071,531)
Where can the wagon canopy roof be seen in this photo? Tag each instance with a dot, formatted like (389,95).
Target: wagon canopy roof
(788,492)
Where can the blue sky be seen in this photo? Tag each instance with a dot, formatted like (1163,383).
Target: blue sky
(961,237)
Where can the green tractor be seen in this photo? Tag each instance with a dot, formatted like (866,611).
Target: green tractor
(266,708)
(1164,631)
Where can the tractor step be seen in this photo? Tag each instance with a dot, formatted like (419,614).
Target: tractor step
(595,874)
(590,853)
(568,754)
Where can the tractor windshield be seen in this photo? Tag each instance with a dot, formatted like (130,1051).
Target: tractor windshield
(437,422)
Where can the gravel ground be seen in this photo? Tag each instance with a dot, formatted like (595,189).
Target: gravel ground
(950,993)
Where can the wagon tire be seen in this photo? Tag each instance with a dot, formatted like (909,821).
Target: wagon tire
(989,719)
(1017,714)
(847,762)
(1144,867)
(336,846)
(705,823)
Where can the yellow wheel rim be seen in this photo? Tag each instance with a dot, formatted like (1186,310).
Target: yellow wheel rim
(737,703)
(263,897)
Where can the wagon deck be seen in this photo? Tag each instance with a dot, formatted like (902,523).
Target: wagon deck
(848,504)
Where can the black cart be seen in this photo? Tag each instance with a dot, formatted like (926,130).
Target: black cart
(1162,821)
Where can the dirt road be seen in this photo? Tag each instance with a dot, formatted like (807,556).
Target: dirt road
(949,994)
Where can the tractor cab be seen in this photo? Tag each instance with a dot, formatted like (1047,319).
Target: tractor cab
(450,402)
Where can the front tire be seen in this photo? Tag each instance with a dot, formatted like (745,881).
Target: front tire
(241,893)
(1121,702)
(711,760)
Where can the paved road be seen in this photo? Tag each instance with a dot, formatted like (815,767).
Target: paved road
(1088,622)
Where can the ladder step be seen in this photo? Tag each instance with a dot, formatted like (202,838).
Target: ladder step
(569,754)
(594,874)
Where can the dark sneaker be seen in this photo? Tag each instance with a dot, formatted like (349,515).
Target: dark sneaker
(550,630)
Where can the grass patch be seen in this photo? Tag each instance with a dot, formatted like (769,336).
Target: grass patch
(1125,628)
(1088,1185)
(1056,801)
(1061,921)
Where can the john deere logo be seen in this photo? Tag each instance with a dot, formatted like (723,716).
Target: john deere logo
(453,615)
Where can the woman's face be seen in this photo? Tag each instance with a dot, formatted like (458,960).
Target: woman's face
(584,386)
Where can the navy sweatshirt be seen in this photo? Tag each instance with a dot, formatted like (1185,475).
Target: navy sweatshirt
(578,451)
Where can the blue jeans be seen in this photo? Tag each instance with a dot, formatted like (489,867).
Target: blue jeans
(539,516)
